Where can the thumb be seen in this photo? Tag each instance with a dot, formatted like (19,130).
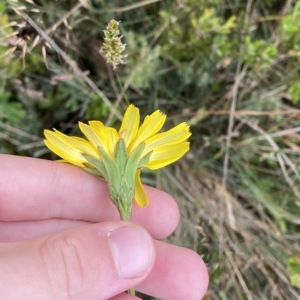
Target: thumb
(90,262)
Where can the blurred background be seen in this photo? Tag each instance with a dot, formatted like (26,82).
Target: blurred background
(230,68)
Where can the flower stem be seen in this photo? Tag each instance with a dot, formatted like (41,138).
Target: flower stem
(125,215)
(125,211)
(131,292)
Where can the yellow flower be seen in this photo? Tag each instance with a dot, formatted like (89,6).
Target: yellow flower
(105,149)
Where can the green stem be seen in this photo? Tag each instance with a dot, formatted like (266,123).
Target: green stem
(125,215)
(125,212)
(131,292)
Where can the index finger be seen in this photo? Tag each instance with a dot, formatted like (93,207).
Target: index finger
(36,189)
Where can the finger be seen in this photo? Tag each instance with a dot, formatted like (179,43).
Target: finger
(96,261)
(25,230)
(35,189)
(178,273)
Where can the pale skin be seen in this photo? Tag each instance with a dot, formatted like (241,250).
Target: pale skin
(59,230)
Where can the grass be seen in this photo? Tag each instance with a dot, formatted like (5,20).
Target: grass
(236,82)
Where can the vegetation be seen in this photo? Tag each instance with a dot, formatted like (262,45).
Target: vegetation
(228,68)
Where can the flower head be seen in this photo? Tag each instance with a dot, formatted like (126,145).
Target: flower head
(112,46)
(119,156)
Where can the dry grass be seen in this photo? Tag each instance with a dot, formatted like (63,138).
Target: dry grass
(245,251)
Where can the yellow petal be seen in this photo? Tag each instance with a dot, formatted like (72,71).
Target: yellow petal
(101,131)
(96,125)
(165,155)
(111,137)
(178,134)
(130,124)
(96,137)
(78,143)
(83,146)
(64,150)
(151,125)
(140,195)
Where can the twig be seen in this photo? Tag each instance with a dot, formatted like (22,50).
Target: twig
(238,77)
(18,131)
(252,112)
(129,7)
(61,20)
(238,274)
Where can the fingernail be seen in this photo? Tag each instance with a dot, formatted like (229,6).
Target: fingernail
(132,249)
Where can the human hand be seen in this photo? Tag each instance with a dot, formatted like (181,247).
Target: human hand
(61,238)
